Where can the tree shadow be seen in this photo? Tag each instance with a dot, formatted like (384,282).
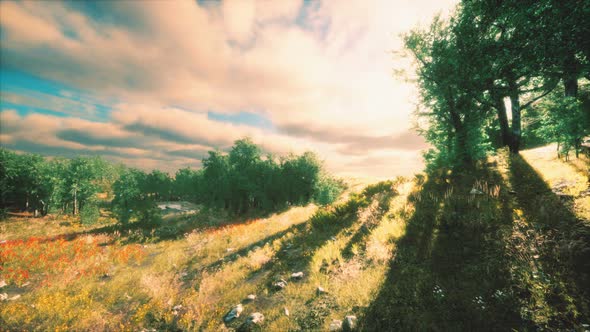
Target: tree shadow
(295,255)
(449,263)
(518,259)
(170,227)
(371,218)
(565,254)
(194,270)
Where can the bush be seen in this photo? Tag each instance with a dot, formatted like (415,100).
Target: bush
(327,190)
(89,213)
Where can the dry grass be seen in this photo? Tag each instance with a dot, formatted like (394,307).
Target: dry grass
(191,282)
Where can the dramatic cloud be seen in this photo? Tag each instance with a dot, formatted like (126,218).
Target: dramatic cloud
(138,79)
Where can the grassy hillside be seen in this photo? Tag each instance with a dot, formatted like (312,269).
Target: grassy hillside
(421,254)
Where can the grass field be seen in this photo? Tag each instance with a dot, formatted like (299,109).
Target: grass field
(420,254)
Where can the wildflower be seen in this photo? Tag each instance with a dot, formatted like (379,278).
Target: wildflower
(479,302)
(499,294)
(438,292)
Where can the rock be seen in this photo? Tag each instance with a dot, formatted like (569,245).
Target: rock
(176,309)
(234,313)
(252,321)
(16,297)
(256,318)
(286,311)
(2,283)
(333,238)
(349,323)
(250,298)
(3,297)
(229,249)
(475,192)
(320,290)
(297,275)
(280,284)
(336,325)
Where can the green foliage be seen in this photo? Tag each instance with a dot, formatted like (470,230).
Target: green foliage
(327,190)
(29,182)
(133,201)
(489,52)
(89,213)
(22,180)
(563,120)
(187,184)
(244,181)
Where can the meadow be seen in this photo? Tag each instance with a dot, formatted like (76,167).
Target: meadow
(414,254)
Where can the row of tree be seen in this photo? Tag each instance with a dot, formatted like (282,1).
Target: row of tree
(495,65)
(30,182)
(241,181)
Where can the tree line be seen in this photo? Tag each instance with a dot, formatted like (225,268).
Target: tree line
(241,181)
(501,73)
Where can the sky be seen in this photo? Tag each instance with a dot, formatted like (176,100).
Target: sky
(157,84)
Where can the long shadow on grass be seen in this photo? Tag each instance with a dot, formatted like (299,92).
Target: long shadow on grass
(372,220)
(296,253)
(170,228)
(195,270)
(565,255)
(449,263)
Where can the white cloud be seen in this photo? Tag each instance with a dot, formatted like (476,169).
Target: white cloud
(321,83)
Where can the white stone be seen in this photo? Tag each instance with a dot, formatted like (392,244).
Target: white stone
(349,323)
(280,284)
(256,318)
(297,275)
(336,325)
(234,313)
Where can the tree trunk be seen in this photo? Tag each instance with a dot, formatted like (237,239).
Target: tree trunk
(503,120)
(461,136)
(75,202)
(516,122)
(570,75)
(570,84)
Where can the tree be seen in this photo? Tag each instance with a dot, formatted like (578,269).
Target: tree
(133,201)
(23,180)
(188,184)
(444,77)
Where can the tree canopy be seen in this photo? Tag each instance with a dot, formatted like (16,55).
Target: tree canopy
(484,68)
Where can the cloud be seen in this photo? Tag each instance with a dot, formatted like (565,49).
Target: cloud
(320,72)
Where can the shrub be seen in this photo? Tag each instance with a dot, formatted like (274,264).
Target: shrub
(89,214)
(327,190)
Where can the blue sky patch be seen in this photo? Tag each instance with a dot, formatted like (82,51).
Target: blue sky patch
(245,118)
